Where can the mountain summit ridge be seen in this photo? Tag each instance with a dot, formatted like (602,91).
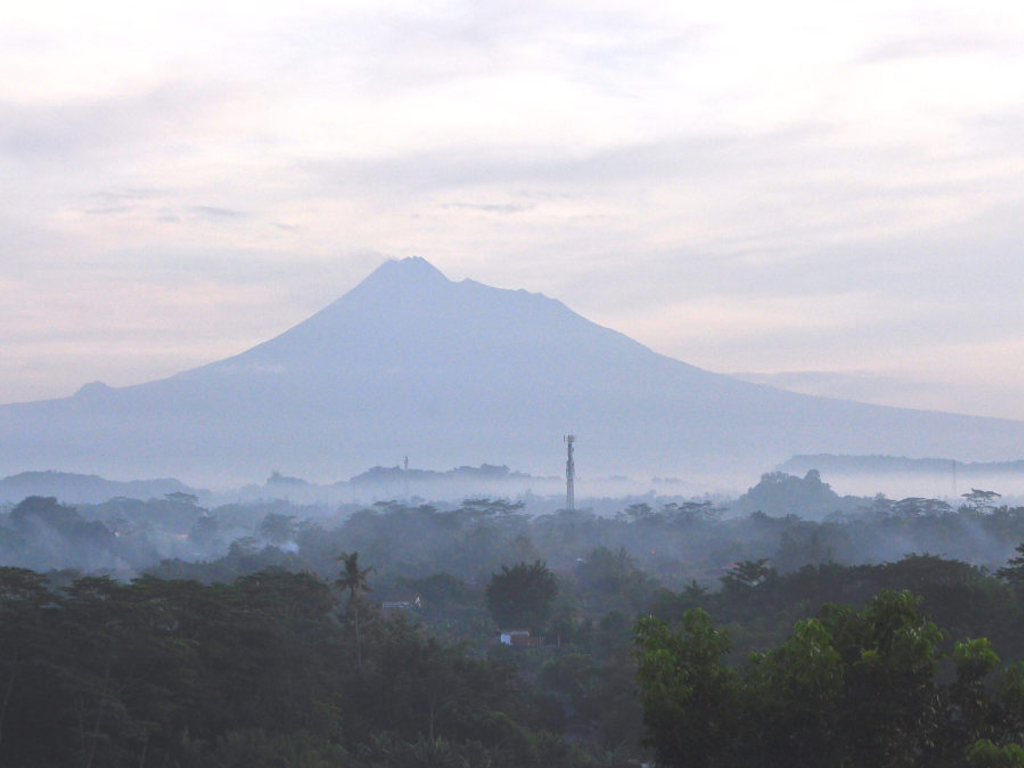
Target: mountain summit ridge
(409,308)
(409,362)
(413,270)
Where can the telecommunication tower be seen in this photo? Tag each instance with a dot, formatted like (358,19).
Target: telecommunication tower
(570,475)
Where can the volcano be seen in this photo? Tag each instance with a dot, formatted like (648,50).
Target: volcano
(411,363)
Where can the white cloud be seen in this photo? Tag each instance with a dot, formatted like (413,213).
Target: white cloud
(802,186)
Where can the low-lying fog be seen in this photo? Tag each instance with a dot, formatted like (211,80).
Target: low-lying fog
(672,532)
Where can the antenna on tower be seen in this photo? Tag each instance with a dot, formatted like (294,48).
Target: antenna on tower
(570,475)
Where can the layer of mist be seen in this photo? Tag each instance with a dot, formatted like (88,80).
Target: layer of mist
(786,519)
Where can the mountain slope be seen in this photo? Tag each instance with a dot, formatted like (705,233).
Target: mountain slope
(410,363)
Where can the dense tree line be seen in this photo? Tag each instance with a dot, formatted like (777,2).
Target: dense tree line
(268,670)
(672,541)
(270,650)
(259,672)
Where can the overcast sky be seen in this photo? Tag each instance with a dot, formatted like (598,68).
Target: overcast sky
(827,187)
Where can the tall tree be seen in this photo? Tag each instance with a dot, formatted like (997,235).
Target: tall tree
(691,699)
(521,596)
(353,579)
(848,688)
(1013,571)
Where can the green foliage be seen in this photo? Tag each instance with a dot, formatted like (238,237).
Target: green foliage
(278,666)
(1013,571)
(520,597)
(981,500)
(780,493)
(847,688)
(353,579)
(985,754)
(612,576)
(690,697)
(259,672)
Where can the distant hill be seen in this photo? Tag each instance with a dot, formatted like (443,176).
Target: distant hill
(898,476)
(844,465)
(411,363)
(73,488)
(454,484)
(485,473)
(779,493)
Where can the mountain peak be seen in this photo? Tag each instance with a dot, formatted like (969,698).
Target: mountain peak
(411,361)
(414,270)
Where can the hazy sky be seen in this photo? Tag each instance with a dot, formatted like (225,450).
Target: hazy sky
(760,187)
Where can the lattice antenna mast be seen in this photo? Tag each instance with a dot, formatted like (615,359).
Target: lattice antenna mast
(570,475)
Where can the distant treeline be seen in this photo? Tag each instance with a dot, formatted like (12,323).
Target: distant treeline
(375,483)
(840,464)
(672,542)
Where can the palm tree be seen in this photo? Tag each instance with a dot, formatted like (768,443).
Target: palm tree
(353,579)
